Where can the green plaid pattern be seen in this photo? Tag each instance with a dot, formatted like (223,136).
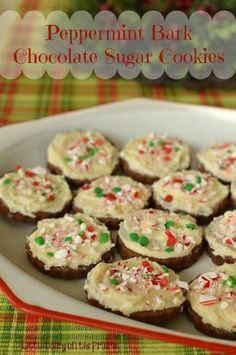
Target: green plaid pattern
(24,99)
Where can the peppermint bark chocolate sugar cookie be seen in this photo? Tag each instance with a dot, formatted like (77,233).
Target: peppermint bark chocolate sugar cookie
(111,199)
(212,302)
(28,195)
(221,238)
(136,288)
(198,194)
(69,247)
(167,238)
(82,156)
(219,160)
(150,157)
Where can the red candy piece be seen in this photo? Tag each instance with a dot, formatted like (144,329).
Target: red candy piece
(85,187)
(93,236)
(17,167)
(164,281)
(168,198)
(52,198)
(98,141)
(167,158)
(136,194)
(35,183)
(177,180)
(90,229)
(145,264)
(141,151)
(29,173)
(171,239)
(83,236)
(166,148)
(111,197)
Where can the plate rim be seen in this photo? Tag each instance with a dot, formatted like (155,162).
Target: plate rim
(66,317)
(127,329)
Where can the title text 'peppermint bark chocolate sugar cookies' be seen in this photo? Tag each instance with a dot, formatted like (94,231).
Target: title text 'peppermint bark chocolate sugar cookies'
(82,156)
(111,198)
(136,288)
(69,247)
(220,161)
(198,194)
(221,238)
(28,195)
(150,157)
(212,302)
(167,238)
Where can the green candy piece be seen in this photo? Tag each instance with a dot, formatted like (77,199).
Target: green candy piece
(114,282)
(222,167)
(7,181)
(50,254)
(198,179)
(99,192)
(169,249)
(160,142)
(81,233)
(191,226)
(144,241)
(104,237)
(229,151)
(68,239)
(92,152)
(151,144)
(169,224)
(81,157)
(39,240)
(188,186)
(116,189)
(79,221)
(232,280)
(134,237)
(164,268)
(177,149)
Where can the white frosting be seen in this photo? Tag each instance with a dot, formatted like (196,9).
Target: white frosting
(221,235)
(168,235)
(129,286)
(82,154)
(155,155)
(112,196)
(213,297)
(220,160)
(33,190)
(191,191)
(71,241)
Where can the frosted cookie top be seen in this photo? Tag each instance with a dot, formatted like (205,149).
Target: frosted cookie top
(33,190)
(220,160)
(135,285)
(160,234)
(156,155)
(221,235)
(71,241)
(82,155)
(213,296)
(111,197)
(191,191)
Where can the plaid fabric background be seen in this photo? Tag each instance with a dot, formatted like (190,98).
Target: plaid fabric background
(23,99)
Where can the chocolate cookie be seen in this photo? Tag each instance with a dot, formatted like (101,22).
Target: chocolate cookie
(69,247)
(167,238)
(189,191)
(29,195)
(153,156)
(136,288)
(82,156)
(212,302)
(221,238)
(111,198)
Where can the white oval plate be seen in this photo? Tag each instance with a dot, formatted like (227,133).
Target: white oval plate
(26,144)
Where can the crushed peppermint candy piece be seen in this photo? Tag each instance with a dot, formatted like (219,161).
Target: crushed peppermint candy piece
(61,254)
(208,300)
